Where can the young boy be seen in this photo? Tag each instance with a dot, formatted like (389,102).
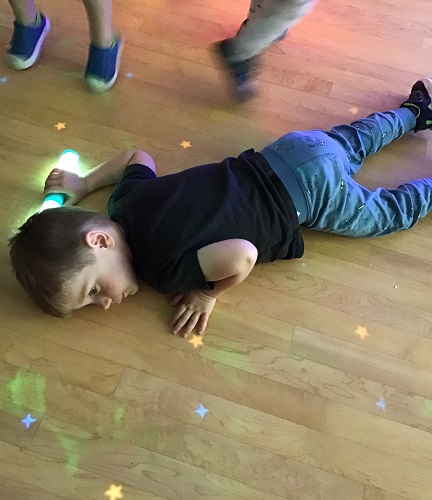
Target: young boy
(197,233)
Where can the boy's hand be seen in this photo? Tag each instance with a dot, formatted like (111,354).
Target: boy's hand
(194,309)
(72,185)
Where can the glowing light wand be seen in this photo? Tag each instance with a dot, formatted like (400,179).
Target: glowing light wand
(67,161)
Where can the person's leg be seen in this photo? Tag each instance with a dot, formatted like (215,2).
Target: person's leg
(24,11)
(368,135)
(99,14)
(267,22)
(30,30)
(254,12)
(105,47)
(353,210)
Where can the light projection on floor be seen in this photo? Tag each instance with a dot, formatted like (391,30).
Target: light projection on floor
(70,448)
(68,161)
(128,74)
(185,144)
(114,492)
(362,332)
(201,411)
(381,404)
(60,126)
(196,341)
(28,389)
(3,79)
(28,420)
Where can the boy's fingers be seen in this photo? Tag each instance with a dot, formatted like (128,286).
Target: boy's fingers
(193,320)
(179,324)
(202,324)
(178,314)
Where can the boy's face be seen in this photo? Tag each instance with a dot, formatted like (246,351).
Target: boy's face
(109,279)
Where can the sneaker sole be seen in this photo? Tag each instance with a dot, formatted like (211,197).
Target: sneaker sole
(17,63)
(99,86)
(427,82)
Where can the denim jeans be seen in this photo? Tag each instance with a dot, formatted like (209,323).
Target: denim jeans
(323,163)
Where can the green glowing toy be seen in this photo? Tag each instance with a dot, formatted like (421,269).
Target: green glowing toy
(67,161)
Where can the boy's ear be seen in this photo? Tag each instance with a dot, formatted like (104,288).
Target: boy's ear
(99,239)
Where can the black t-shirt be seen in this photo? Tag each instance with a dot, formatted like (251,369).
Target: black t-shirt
(167,219)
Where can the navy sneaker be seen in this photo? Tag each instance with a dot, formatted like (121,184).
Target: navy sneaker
(419,102)
(103,66)
(26,43)
(242,72)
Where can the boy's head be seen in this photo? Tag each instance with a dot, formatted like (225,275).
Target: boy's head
(68,257)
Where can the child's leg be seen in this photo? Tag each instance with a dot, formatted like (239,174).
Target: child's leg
(105,48)
(30,30)
(99,13)
(356,211)
(368,135)
(268,21)
(24,11)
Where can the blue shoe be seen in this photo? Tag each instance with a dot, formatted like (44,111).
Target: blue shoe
(26,43)
(242,73)
(103,66)
(420,103)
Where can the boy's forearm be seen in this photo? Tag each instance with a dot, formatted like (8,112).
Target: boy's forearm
(109,172)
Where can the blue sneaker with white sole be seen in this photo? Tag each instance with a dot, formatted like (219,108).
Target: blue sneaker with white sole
(26,43)
(103,66)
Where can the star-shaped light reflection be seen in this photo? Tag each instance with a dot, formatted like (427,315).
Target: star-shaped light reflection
(3,79)
(201,411)
(196,341)
(114,492)
(381,404)
(362,331)
(28,420)
(185,144)
(60,125)
(128,74)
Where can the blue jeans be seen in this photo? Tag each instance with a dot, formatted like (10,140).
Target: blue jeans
(323,163)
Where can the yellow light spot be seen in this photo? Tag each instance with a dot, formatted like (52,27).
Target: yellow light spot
(185,144)
(60,125)
(353,110)
(114,492)
(196,340)
(362,332)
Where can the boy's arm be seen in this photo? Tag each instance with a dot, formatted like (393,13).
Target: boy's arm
(226,263)
(109,172)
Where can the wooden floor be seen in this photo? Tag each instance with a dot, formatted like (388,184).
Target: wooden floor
(316,373)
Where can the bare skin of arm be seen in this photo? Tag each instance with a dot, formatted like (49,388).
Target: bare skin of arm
(109,172)
(227,263)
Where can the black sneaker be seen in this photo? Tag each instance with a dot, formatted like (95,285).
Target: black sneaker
(242,72)
(419,102)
